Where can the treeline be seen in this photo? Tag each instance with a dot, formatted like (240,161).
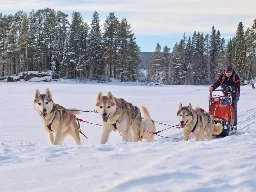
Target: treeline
(45,40)
(200,58)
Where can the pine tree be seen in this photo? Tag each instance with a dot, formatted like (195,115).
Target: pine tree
(240,52)
(96,63)
(189,62)
(250,39)
(133,60)
(110,40)
(32,41)
(166,59)
(60,42)
(202,67)
(23,44)
(11,53)
(83,63)
(123,59)
(229,52)
(49,35)
(11,49)
(182,66)
(220,59)
(213,55)
(65,63)
(155,64)
(176,63)
(207,57)
(40,40)
(76,28)
(253,49)
(233,49)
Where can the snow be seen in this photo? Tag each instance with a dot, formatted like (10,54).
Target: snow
(36,72)
(29,163)
(39,79)
(19,77)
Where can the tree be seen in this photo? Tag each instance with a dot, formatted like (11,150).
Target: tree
(125,37)
(166,61)
(74,43)
(154,68)
(95,46)
(133,60)
(23,44)
(213,55)
(60,43)
(189,62)
(83,62)
(110,39)
(176,73)
(240,52)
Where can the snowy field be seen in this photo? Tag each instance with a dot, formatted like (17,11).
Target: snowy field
(29,163)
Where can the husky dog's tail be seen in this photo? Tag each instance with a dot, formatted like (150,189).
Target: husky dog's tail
(74,111)
(144,112)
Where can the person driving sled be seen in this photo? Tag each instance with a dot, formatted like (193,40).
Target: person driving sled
(230,82)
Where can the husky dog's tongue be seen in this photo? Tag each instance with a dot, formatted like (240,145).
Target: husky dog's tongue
(182,125)
(105,118)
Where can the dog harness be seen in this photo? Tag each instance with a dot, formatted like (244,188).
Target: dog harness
(195,124)
(50,125)
(114,125)
(133,111)
(59,108)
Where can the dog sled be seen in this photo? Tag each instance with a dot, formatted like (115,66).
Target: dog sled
(221,109)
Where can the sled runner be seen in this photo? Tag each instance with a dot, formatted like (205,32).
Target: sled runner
(221,109)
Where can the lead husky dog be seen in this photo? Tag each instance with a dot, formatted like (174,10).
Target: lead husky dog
(58,122)
(118,114)
(197,121)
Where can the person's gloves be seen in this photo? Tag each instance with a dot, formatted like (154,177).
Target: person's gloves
(210,89)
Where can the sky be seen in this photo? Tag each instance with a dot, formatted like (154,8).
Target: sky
(155,21)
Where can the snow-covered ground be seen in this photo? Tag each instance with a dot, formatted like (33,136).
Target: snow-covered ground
(29,163)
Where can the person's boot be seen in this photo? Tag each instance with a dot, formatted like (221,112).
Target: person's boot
(234,128)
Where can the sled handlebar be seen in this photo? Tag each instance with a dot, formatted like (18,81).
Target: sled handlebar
(229,94)
(218,90)
(222,90)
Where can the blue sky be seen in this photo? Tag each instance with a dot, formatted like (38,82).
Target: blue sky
(155,21)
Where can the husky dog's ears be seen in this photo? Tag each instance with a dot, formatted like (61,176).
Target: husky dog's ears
(37,94)
(110,96)
(99,97)
(180,106)
(189,107)
(48,93)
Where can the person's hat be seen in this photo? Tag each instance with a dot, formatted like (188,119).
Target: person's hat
(229,69)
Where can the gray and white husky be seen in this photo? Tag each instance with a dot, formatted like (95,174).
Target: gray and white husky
(117,114)
(58,122)
(196,121)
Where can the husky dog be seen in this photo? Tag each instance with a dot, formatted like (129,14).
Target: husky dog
(58,122)
(197,121)
(118,114)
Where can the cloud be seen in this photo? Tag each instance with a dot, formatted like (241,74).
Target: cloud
(157,17)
